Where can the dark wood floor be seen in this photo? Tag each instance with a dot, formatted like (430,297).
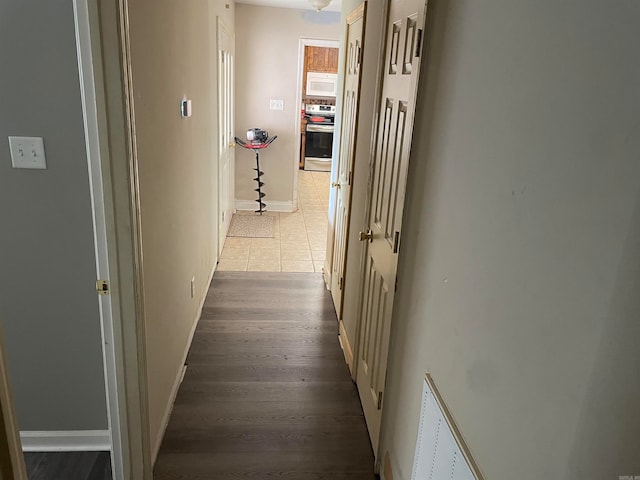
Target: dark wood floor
(68,465)
(267,393)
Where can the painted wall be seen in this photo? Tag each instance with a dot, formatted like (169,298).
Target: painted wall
(519,272)
(267,67)
(173,45)
(48,302)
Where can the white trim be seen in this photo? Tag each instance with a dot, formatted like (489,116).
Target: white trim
(223,29)
(326,270)
(345,344)
(272,206)
(66,441)
(180,376)
(10,444)
(303,42)
(114,436)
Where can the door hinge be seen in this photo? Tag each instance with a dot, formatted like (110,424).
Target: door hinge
(340,282)
(418,42)
(102,287)
(396,286)
(379,400)
(396,242)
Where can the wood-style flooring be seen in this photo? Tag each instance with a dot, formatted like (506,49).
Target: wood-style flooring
(68,465)
(267,393)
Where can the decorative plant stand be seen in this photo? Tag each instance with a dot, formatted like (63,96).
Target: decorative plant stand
(256,147)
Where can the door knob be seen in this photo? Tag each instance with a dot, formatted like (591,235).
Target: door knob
(368,235)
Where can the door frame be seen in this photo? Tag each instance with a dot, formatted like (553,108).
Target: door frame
(102,38)
(99,221)
(103,71)
(12,466)
(221,234)
(305,42)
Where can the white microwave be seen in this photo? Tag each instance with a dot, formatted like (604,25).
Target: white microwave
(322,84)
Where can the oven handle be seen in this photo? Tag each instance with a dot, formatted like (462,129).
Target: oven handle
(319,128)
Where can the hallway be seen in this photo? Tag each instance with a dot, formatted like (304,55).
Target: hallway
(267,392)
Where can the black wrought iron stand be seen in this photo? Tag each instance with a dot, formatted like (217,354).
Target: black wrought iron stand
(256,147)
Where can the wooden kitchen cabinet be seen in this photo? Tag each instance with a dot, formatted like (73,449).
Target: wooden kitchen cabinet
(321,59)
(333,60)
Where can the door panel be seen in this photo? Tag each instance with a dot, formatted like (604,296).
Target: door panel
(225,136)
(346,156)
(377,302)
(389,175)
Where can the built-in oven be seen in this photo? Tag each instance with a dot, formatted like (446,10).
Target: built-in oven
(318,147)
(318,151)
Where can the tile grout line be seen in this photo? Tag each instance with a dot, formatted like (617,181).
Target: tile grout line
(316,207)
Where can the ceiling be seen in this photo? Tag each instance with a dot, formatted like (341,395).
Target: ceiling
(334,6)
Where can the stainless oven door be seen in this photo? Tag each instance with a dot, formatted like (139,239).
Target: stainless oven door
(318,141)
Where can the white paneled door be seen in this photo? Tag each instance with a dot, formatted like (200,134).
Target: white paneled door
(394,133)
(225,123)
(346,157)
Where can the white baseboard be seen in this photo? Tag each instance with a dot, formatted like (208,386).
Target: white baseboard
(346,347)
(180,376)
(66,441)
(272,206)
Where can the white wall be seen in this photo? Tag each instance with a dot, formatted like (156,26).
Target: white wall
(267,67)
(519,272)
(172,49)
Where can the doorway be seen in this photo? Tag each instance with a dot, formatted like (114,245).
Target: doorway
(322,57)
(298,239)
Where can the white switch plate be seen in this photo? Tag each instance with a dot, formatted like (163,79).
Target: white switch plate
(276,104)
(27,152)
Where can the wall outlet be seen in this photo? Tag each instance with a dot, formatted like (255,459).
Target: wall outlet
(193,287)
(276,104)
(27,152)
(185,108)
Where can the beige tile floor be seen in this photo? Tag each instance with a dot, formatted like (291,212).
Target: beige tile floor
(300,237)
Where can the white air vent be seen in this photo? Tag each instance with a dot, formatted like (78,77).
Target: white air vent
(440,450)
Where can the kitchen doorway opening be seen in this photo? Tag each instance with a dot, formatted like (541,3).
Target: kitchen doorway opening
(296,241)
(316,95)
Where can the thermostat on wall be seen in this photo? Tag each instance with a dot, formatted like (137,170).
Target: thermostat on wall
(185,108)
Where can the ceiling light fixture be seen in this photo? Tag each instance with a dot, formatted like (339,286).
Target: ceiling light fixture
(319,4)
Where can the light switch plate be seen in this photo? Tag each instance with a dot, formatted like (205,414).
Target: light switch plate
(27,152)
(276,104)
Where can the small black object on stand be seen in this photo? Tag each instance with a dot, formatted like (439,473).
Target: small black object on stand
(256,147)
